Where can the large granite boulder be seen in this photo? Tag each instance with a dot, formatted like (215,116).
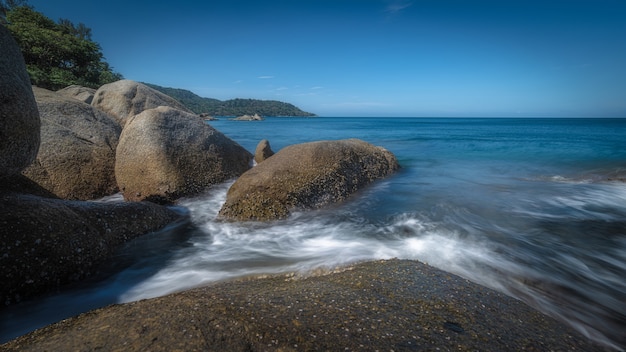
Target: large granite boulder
(19,118)
(306,176)
(77,155)
(125,98)
(45,243)
(81,93)
(166,153)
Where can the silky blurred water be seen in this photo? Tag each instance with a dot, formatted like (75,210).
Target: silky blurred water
(535,208)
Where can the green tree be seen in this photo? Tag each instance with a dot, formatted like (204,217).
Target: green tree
(6,5)
(81,30)
(57,54)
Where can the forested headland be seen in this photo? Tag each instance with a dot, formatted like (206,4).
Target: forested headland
(61,53)
(232,107)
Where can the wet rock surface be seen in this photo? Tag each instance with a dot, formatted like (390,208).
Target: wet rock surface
(394,305)
(46,243)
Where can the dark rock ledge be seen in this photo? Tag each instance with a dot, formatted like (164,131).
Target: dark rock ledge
(47,243)
(394,305)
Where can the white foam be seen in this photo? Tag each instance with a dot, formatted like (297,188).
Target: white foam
(457,244)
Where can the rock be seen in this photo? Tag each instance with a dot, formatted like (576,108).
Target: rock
(207,117)
(124,99)
(77,155)
(83,94)
(254,117)
(22,184)
(45,243)
(19,118)
(396,305)
(165,153)
(263,151)
(306,176)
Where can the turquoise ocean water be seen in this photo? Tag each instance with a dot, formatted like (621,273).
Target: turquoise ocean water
(535,208)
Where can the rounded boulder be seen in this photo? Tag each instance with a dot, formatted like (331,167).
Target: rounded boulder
(77,155)
(306,176)
(125,98)
(165,154)
(19,118)
(263,151)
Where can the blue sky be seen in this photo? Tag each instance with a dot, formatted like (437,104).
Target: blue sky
(373,57)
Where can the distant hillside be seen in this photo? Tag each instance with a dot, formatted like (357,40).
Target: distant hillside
(233,107)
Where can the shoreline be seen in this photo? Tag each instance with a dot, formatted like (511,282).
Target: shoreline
(392,304)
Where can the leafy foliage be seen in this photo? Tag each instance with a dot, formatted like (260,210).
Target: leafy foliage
(57,54)
(233,107)
(6,5)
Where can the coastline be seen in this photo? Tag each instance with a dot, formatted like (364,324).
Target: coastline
(378,305)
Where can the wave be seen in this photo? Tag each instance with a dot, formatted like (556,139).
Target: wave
(534,255)
(584,292)
(604,175)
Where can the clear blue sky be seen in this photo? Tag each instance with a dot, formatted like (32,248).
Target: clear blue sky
(373,57)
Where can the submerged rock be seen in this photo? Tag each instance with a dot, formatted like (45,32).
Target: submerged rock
(386,305)
(77,155)
(306,176)
(125,98)
(19,117)
(165,154)
(45,243)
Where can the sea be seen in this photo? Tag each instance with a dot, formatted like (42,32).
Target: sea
(532,207)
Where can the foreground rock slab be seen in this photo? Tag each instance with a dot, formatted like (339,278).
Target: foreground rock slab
(46,243)
(387,305)
(306,176)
